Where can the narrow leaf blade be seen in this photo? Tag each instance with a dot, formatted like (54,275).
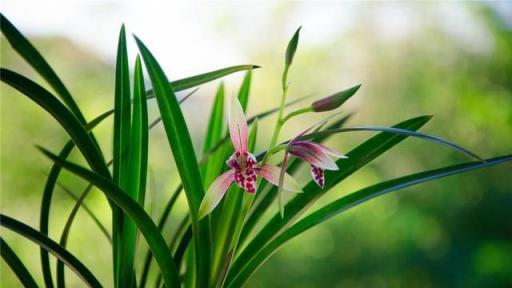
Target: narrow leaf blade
(52,247)
(132,209)
(28,52)
(184,156)
(16,265)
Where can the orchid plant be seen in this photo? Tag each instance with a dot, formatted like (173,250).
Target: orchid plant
(216,243)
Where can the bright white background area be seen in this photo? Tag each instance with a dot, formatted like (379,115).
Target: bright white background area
(191,36)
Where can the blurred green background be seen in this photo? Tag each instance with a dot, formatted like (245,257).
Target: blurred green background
(451,60)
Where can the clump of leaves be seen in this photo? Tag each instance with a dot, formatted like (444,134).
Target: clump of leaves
(235,251)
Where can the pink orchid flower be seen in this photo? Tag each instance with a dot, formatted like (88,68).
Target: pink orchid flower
(244,168)
(317,155)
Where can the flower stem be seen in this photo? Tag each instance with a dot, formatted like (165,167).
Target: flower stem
(279,121)
(297,112)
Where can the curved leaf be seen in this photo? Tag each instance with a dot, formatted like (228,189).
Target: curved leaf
(358,157)
(65,118)
(16,265)
(64,237)
(353,200)
(28,52)
(44,214)
(134,211)
(395,131)
(197,80)
(52,247)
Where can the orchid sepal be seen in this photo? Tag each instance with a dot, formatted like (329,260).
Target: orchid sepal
(216,192)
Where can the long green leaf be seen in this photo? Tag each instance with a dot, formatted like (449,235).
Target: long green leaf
(137,163)
(52,247)
(123,229)
(132,209)
(65,118)
(216,122)
(161,225)
(243,93)
(358,158)
(45,211)
(353,200)
(395,131)
(180,233)
(16,265)
(197,80)
(184,156)
(139,137)
(28,52)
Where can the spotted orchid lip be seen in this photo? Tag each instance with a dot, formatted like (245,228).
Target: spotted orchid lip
(318,175)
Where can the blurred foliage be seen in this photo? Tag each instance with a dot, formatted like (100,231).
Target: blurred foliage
(451,233)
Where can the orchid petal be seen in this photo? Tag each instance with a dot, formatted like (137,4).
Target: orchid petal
(215,193)
(271,174)
(238,126)
(328,151)
(313,154)
(318,175)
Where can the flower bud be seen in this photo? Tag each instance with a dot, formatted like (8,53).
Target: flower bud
(334,101)
(292,47)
